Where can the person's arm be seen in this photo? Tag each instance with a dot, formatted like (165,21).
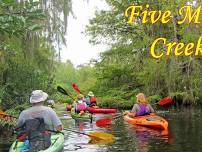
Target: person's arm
(134,109)
(56,121)
(150,108)
(59,127)
(21,121)
(86,106)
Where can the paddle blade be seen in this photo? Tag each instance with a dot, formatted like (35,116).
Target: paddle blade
(101,135)
(100,142)
(165,101)
(76,88)
(2,113)
(103,121)
(61,90)
(8,118)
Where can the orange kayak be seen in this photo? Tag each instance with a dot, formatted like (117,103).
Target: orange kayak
(152,121)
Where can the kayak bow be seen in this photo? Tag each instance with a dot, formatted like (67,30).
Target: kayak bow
(57,143)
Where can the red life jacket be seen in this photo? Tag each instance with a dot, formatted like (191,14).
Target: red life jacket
(93,99)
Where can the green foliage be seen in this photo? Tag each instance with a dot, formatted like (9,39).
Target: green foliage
(66,74)
(127,66)
(17,18)
(115,102)
(27,54)
(61,98)
(154,98)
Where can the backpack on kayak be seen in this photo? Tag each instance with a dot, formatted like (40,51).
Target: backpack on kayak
(37,134)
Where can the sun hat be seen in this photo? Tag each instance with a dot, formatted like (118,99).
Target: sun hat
(90,93)
(38,96)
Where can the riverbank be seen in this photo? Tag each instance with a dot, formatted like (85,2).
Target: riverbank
(179,99)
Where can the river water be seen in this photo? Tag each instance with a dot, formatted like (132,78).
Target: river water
(185,134)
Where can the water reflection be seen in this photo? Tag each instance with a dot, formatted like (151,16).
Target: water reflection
(81,143)
(143,135)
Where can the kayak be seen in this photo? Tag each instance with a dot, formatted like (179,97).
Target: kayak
(68,107)
(77,116)
(152,121)
(57,143)
(165,101)
(101,110)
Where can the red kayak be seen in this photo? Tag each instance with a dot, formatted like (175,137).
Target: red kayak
(101,110)
(165,101)
(68,107)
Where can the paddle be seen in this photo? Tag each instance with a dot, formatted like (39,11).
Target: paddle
(5,114)
(76,88)
(63,91)
(93,134)
(105,121)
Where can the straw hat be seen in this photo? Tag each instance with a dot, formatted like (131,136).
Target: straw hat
(38,96)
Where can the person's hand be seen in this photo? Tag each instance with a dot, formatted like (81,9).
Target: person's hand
(81,113)
(131,114)
(125,113)
(60,127)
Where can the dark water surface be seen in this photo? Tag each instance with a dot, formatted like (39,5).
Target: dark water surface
(185,134)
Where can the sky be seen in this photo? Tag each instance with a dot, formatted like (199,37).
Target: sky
(78,48)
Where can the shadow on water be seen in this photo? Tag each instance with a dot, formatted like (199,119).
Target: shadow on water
(184,134)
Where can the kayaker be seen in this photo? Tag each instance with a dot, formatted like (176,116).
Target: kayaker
(80,105)
(51,103)
(141,107)
(91,99)
(37,121)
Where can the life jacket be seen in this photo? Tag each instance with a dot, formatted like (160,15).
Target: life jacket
(93,99)
(38,136)
(80,106)
(143,110)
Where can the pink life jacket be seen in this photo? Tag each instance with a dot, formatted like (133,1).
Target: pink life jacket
(80,106)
